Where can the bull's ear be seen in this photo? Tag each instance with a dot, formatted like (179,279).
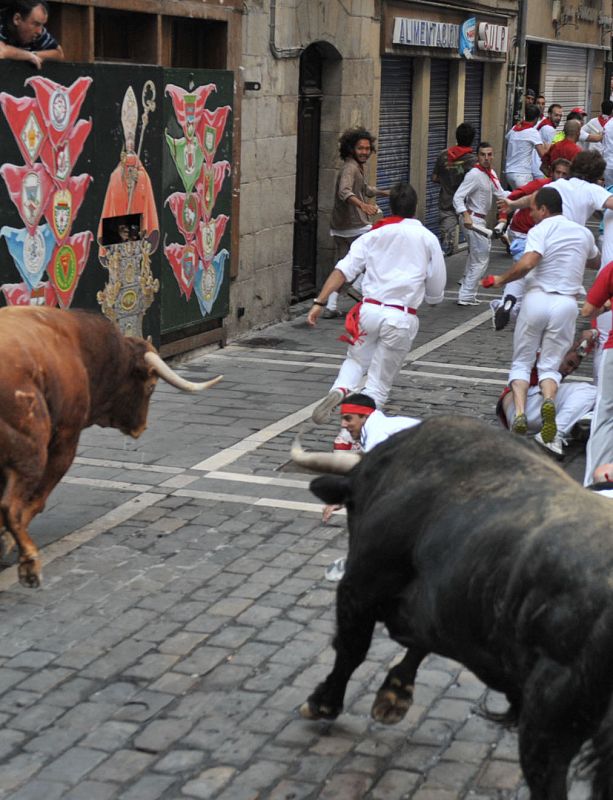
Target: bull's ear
(332,489)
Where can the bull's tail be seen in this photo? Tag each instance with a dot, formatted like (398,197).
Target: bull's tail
(599,758)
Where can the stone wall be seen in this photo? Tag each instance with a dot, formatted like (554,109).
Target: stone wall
(269,137)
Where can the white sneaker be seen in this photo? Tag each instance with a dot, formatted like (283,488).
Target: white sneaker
(556,446)
(474,302)
(323,411)
(336,570)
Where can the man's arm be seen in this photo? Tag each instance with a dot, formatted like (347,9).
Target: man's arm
(522,267)
(459,198)
(7,51)
(436,276)
(333,283)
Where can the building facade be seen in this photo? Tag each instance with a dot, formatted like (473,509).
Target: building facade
(301,72)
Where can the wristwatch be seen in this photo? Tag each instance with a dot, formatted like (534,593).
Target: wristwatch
(317,302)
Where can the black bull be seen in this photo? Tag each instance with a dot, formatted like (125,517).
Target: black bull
(465,543)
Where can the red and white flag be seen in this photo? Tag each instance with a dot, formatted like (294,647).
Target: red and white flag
(67,264)
(29,188)
(26,123)
(64,205)
(20,294)
(61,160)
(59,105)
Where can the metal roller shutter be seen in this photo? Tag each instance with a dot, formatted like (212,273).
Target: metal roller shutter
(473,96)
(566,77)
(437,134)
(394,140)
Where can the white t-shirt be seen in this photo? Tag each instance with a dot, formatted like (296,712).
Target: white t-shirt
(564,247)
(579,198)
(546,132)
(520,147)
(378,428)
(607,145)
(402,263)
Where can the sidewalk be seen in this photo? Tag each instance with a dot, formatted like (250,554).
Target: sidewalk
(184,615)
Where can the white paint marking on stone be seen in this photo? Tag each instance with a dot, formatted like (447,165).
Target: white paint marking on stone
(454,333)
(179,481)
(254,440)
(266,502)
(70,542)
(102,483)
(103,462)
(259,479)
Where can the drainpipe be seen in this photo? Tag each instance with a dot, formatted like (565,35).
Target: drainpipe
(286,52)
(520,74)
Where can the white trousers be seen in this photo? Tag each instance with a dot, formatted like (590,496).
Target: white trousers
(517,179)
(380,353)
(573,402)
(546,323)
(599,448)
(515,288)
(476,263)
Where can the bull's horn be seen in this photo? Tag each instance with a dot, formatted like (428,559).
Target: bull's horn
(170,376)
(339,463)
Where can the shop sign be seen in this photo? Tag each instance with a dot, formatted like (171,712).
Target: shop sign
(468,33)
(425,33)
(493,38)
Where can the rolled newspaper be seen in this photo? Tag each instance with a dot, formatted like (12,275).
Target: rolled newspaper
(482,230)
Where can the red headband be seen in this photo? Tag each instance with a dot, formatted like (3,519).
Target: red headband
(351,408)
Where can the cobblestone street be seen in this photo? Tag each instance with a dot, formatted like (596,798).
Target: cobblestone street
(184,615)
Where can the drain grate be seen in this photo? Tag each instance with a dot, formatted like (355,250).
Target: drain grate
(262,341)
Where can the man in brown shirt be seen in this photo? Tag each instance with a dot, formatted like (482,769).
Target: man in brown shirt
(449,171)
(352,203)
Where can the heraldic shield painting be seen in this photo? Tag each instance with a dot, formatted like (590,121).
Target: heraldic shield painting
(137,158)
(198,198)
(48,250)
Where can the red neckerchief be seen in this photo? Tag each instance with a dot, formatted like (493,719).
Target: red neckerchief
(453,153)
(523,125)
(544,122)
(387,221)
(603,120)
(490,175)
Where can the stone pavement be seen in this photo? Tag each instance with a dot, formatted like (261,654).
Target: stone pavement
(184,614)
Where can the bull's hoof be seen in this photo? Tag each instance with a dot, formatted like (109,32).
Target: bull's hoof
(312,710)
(392,703)
(29,574)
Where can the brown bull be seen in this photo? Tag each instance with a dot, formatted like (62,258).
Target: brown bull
(60,372)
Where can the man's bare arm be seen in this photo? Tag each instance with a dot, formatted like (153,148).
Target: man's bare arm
(522,267)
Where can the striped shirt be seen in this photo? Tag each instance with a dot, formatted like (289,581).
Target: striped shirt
(44,41)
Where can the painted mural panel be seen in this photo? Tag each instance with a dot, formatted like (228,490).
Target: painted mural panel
(49,256)
(197,191)
(115,192)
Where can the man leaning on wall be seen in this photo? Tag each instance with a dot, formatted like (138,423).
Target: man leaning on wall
(23,36)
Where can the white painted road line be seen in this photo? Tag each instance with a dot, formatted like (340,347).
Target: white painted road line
(127,510)
(254,440)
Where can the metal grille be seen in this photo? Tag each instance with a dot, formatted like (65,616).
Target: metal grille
(473,96)
(437,134)
(566,77)
(394,140)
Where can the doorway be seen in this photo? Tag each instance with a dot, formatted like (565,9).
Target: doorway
(307,174)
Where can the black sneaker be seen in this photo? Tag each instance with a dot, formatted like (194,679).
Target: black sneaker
(502,315)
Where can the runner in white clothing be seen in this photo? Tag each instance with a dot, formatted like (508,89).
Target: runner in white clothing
(367,428)
(581,195)
(556,254)
(523,140)
(473,201)
(597,125)
(403,264)
(547,129)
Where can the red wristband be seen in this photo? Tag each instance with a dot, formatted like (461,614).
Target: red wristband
(487,281)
